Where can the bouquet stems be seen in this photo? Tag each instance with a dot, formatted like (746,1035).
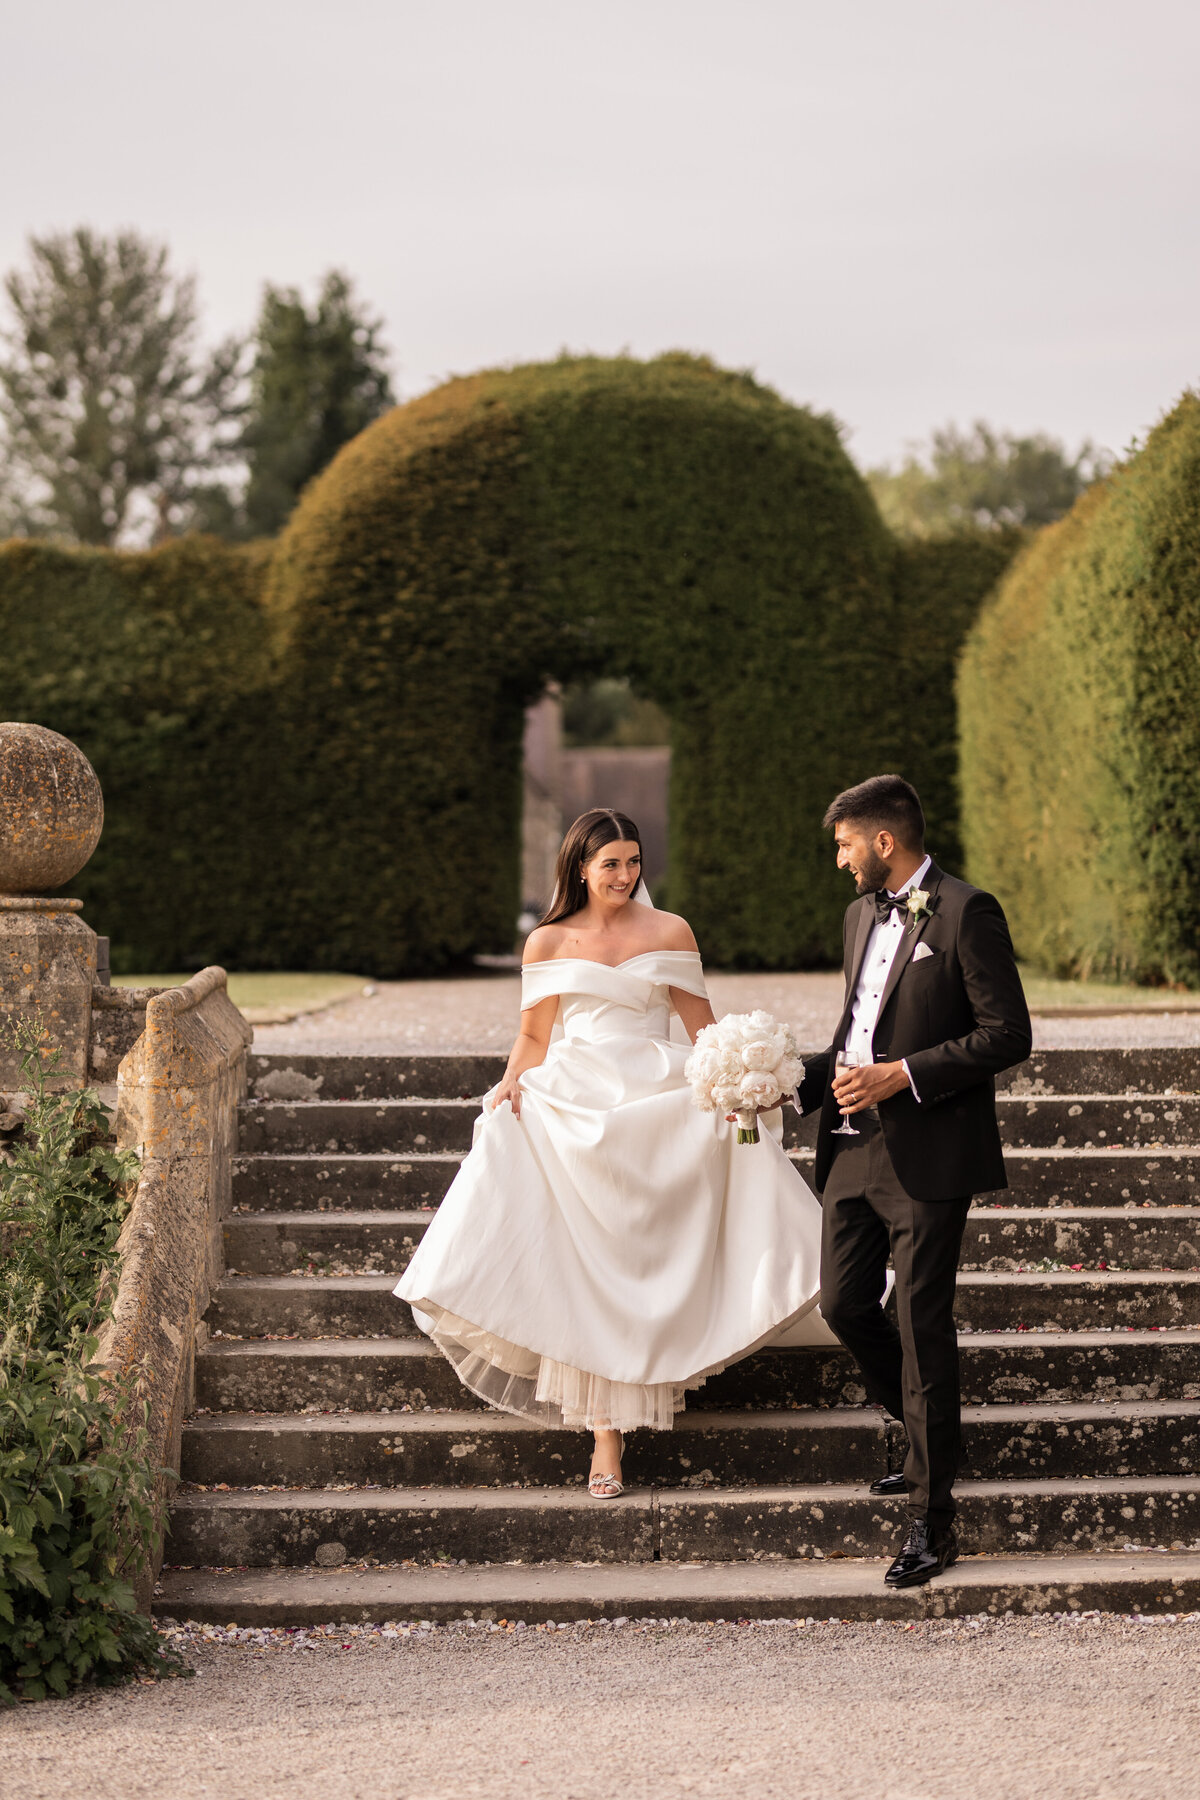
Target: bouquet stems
(747,1128)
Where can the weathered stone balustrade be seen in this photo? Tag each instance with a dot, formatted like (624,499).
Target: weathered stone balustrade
(178,1090)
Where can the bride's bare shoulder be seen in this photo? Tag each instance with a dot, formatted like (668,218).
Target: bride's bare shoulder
(673,933)
(542,943)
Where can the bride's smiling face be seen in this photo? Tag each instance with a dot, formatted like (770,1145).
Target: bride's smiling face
(612,874)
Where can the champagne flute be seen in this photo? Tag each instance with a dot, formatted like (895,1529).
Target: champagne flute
(847,1059)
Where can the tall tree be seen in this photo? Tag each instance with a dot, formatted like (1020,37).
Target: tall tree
(985,480)
(112,419)
(318,378)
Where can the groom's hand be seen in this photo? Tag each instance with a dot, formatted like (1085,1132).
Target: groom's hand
(855,1088)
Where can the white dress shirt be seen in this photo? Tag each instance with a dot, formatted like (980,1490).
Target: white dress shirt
(882,946)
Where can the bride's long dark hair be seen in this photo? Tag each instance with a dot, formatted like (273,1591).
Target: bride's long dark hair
(586,838)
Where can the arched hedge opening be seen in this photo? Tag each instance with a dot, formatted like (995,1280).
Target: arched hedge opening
(311,749)
(1080,724)
(669,522)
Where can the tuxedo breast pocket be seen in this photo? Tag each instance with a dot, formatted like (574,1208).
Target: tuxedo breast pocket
(925,956)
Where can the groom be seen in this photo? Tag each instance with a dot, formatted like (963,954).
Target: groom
(933,1011)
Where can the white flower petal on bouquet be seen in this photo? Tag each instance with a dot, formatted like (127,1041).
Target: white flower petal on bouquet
(760,1090)
(744,1062)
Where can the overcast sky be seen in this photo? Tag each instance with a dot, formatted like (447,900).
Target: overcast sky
(903,211)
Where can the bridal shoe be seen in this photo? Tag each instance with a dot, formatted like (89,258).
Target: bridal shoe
(607,1487)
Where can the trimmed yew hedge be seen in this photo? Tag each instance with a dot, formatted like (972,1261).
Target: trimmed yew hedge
(310,750)
(939,584)
(665,521)
(1080,708)
(158,666)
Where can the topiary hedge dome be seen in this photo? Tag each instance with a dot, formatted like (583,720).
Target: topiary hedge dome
(315,745)
(668,522)
(1080,709)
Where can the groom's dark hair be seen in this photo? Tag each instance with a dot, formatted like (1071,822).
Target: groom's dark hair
(884,803)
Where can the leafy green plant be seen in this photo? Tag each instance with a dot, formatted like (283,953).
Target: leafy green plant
(77,1503)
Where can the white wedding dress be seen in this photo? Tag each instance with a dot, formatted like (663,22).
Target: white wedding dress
(614,1246)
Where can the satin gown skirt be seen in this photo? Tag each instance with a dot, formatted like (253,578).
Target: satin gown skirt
(613,1246)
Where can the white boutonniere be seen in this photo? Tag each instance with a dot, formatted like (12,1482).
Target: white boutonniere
(917,902)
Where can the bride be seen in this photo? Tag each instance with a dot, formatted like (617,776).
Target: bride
(605,1245)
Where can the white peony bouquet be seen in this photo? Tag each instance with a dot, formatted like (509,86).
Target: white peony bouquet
(743,1064)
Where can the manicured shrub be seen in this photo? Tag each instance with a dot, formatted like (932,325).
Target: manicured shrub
(939,585)
(1080,708)
(668,522)
(158,665)
(310,751)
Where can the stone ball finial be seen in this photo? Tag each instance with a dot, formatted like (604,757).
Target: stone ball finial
(51,809)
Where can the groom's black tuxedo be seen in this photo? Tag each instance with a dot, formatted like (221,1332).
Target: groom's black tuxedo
(902,1188)
(957,1016)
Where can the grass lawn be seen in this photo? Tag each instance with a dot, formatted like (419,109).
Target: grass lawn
(271,997)
(1044,990)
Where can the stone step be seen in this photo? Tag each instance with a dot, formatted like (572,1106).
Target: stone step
(364,1305)
(1039,1178)
(726,1449)
(360,1374)
(317,1183)
(276,1243)
(353,1126)
(396,1126)
(453,1076)
(313,1306)
(431,1075)
(1097,1121)
(1165,1237)
(1049,1178)
(1019,1367)
(316,1527)
(1066,1300)
(1150,1583)
(491,1450)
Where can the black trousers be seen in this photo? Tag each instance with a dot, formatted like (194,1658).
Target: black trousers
(913,1370)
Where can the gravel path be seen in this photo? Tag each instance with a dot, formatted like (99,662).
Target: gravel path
(479,1012)
(1090,1709)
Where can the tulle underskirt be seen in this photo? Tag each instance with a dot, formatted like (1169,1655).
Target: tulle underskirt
(553,1393)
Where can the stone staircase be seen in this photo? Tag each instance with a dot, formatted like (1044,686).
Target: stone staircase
(336,1470)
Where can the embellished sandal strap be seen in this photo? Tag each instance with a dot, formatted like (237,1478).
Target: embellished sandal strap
(605,1487)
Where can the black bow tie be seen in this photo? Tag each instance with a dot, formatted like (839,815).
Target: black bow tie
(886,904)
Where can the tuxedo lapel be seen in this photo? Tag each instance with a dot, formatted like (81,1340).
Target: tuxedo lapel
(862,935)
(866,919)
(909,942)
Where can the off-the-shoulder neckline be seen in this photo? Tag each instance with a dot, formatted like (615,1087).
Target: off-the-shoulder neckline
(545,962)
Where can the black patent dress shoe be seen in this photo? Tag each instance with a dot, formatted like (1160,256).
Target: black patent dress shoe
(890,1484)
(925,1553)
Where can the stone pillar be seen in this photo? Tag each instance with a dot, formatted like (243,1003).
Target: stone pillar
(542,814)
(51,816)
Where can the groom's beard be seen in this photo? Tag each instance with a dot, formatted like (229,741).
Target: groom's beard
(872,875)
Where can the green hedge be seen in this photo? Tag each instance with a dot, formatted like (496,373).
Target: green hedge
(665,521)
(939,586)
(310,750)
(158,666)
(1080,707)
